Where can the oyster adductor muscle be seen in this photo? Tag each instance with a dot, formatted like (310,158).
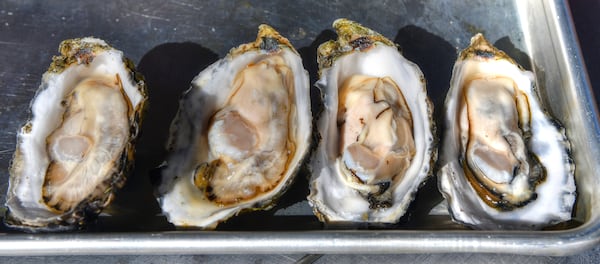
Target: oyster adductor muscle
(78,146)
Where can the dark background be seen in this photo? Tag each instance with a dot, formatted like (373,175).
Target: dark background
(586,17)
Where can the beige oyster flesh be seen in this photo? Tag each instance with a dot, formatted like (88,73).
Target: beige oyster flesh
(376,131)
(77,148)
(504,162)
(240,135)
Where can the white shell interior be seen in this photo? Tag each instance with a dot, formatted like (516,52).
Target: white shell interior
(182,202)
(555,195)
(25,192)
(337,202)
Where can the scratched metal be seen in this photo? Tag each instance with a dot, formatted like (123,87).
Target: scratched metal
(172,40)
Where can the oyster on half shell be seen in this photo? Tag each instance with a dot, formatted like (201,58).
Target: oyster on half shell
(376,130)
(505,163)
(240,135)
(78,146)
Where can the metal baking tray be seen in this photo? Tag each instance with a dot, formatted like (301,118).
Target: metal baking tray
(172,41)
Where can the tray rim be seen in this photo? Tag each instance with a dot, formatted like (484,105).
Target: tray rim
(548,243)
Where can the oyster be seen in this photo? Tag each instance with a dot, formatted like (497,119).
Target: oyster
(78,146)
(240,135)
(505,163)
(376,130)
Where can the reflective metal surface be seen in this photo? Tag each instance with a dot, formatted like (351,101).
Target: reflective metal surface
(164,38)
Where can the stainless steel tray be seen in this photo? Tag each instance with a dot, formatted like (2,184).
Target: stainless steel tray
(165,38)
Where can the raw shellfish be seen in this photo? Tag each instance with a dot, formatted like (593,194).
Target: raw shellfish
(240,135)
(505,163)
(77,148)
(376,130)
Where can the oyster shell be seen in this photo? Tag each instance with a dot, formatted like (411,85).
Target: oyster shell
(376,130)
(240,135)
(505,162)
(78,146)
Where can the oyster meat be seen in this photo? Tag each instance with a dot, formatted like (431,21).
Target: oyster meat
(505,163)
(240,135)
(376,130)
(77,148)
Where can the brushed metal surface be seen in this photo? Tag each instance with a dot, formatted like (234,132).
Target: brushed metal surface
(171,41)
